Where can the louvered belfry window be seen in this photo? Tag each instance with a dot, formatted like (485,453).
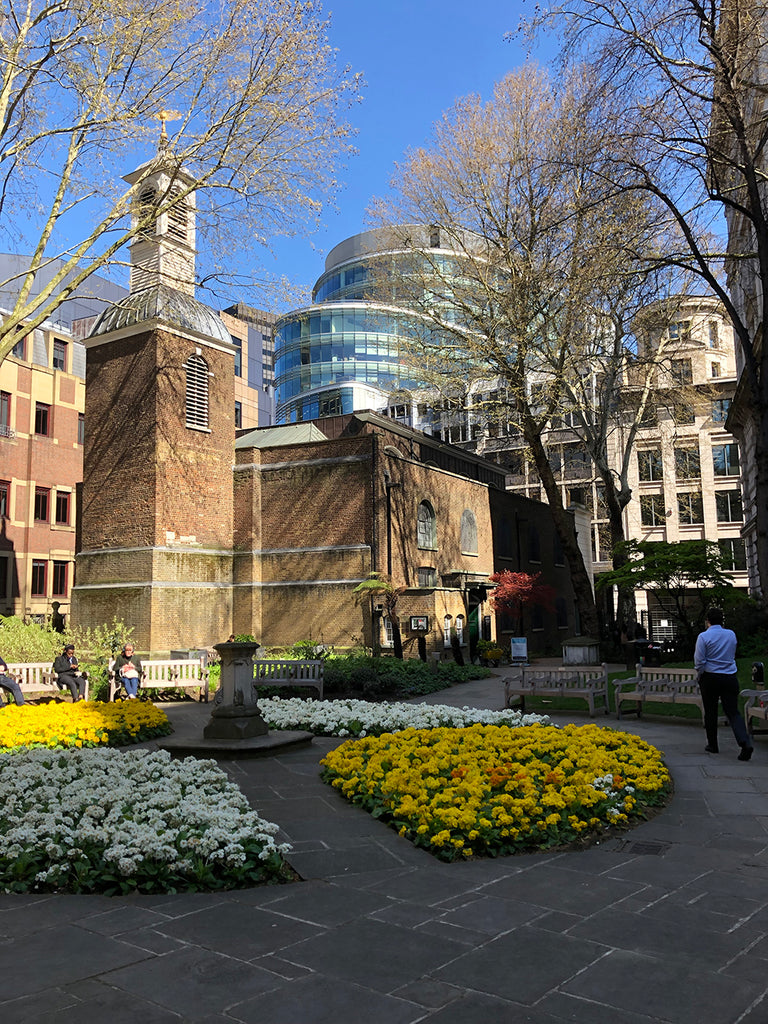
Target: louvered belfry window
(197,392)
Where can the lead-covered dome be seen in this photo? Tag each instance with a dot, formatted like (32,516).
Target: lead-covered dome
(167,306)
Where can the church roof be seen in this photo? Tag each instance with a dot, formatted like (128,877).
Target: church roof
(275,437)
(168,306)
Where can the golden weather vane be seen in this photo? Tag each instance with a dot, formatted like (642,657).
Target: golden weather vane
(163,116)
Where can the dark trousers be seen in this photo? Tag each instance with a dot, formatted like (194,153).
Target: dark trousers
(75,684)
(718,687)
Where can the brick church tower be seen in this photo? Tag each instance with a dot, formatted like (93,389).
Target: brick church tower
(156,531)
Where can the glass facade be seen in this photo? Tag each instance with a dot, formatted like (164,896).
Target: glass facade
(350,336)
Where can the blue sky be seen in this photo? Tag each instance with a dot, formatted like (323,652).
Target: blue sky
(417,58)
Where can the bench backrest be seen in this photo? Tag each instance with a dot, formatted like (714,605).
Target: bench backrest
(670,675)
(565,674)
(166,670)
(267,671)
(31,673)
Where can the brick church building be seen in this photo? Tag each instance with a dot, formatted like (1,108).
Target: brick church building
(190,533)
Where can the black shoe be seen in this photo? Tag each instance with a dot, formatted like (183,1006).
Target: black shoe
(711,750)
(746,752)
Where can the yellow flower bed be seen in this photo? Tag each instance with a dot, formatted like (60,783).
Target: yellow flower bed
(488,790)
(85,724)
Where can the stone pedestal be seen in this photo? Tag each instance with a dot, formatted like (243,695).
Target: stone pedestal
(236,714)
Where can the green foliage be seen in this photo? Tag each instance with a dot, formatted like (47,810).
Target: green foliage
(245,638)
(26,641)
(309,650)
(392,679)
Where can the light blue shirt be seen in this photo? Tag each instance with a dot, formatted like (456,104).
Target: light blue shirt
(715,651)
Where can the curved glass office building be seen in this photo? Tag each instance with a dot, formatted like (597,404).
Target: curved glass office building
(342,354)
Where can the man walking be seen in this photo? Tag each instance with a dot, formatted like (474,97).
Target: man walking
(714,660)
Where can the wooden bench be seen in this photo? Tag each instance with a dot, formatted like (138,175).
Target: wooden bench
(588,683)
(755,706)
(290,673)
(664,685)
(167,674)
(37,677)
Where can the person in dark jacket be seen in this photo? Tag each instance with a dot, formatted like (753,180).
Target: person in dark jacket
(66,668)
(128,670)
(9,683)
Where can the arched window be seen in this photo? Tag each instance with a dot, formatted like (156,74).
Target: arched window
(426,526)
(389,635)
(447,631)
(460,628)
(197,392)
(468,532)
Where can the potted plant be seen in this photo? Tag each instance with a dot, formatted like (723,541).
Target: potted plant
(490,653)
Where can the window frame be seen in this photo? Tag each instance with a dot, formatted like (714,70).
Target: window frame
(468,533)
(59,568)
(39,566)
(648,503)
(42,512)
(63,498)
(5,499)
(728,463)
(426,526)
(725,495)
(447,631)
(692,503)
(59,354)
(653,460)
(42,419)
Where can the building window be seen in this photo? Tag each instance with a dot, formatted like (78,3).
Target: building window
(81,428)
(714,337)
(557,549)
(468,532)
(649,465)
(42,496)
(5,414)
(4,587)
(729,508)
(426,577)
(715,369)
(18,349)
(447,631)
(534,543)
(720,409)
(725,459)
(59,354)
(5,499)
(426,526)
(238,343)
(687,463)
(561,609)
(238,414)
(537,617)
(690,510)
(460,628)
(680,331)
(389,636)
(39,571)
(681,371)
(683,413)
(60,579)
(652,512)
(42,419)
(197,392)
(62,508)
(734,554)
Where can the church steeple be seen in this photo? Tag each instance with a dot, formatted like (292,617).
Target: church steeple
(164,253)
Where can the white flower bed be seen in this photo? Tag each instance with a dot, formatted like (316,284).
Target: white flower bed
(361,718)
(111,821)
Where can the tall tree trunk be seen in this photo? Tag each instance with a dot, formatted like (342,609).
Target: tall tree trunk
(563,521)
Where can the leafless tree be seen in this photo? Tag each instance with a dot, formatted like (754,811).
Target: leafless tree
(252,95)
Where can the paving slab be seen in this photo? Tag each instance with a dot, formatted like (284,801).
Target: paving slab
(665,924)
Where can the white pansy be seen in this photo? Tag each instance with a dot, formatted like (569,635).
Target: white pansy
(132,807)
(361,718)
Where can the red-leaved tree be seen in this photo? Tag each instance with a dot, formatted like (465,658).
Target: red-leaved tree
(515,589)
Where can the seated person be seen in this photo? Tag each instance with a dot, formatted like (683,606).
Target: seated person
(69,674)
(9,683)
(128,670)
